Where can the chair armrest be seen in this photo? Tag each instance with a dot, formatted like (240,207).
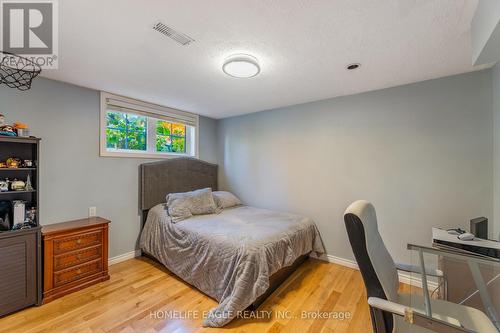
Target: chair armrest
(410,313)
(416,269)
(386,305)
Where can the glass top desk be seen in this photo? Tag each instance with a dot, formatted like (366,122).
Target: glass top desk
(465,273)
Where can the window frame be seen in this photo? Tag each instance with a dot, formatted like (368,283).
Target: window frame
(156,112)
(187,137)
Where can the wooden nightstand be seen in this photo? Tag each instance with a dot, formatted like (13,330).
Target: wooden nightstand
(75,256)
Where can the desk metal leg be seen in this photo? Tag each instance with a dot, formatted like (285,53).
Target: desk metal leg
(483,293)
(425,287)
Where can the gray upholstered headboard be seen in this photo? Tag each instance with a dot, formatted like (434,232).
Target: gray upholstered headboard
(174,175)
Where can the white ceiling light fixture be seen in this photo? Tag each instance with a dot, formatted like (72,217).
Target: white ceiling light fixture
(242,66)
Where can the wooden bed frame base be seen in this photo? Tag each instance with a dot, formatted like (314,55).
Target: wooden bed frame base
(275,280)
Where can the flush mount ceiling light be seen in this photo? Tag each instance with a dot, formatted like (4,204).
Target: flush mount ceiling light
(241,66)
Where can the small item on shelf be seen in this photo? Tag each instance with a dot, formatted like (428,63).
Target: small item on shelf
(4,186)
(18,185)
(2,119)
(31,215)
(18,207)
(28,186)
(22,226)
(3,165)
(4,223)
(6,212)
(28,163)
(7,130)
(22,129)
(13,162)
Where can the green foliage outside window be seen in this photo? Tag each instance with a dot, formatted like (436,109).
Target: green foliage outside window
(170,137)
(126,131)
(130,132)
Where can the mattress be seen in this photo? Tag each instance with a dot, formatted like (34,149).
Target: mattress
(229,256)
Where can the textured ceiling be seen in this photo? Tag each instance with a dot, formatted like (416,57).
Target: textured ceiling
(303,47)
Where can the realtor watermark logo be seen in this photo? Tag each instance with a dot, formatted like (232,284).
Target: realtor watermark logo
(30,29)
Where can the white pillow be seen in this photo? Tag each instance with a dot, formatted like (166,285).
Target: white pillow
(186,204)
(225,199)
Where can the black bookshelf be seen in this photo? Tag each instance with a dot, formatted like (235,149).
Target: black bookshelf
(20,250)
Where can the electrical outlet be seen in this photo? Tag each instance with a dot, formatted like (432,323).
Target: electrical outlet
(92,211)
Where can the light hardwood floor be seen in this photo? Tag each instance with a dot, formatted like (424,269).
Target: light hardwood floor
(139,287)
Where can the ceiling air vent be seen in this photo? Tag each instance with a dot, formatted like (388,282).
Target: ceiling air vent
(177,36)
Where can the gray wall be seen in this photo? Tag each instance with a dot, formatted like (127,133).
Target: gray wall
(422,153)
(496,161)
(73,176)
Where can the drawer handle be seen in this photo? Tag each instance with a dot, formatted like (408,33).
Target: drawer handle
(79,271)
(78,241)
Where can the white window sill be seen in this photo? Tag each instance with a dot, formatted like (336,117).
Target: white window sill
(141,154)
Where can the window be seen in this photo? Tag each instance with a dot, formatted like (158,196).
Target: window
(126,131)
(170,137)
(131,128)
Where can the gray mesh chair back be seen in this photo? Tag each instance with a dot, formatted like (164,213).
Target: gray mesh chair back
(375,263)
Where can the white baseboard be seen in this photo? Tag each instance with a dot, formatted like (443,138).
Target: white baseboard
(340,261)
(123,257)
(404,277)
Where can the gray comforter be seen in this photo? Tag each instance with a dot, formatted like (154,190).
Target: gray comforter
(229,256)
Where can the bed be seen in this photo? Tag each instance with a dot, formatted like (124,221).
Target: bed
(238,257)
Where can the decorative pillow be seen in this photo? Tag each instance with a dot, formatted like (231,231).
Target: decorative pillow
(184,205)
(224,199)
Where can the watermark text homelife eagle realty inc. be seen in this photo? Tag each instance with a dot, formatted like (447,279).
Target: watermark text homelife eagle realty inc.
(262,314)
(30,29)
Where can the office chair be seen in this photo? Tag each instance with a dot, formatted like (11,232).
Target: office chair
(389,309)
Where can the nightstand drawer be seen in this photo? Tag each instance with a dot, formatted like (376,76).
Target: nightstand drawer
(78,257)
(77,242)
(75,273)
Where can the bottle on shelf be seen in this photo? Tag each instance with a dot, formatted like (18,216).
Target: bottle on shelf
(28,186)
